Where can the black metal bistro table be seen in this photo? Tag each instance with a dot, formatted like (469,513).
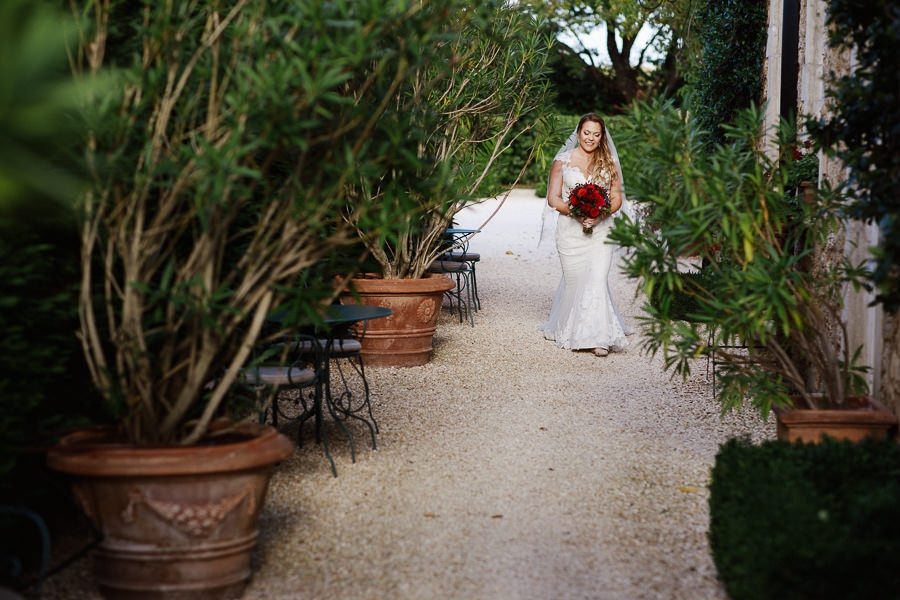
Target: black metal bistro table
(339,324)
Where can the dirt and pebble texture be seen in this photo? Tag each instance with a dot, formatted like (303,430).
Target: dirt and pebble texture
(506,468)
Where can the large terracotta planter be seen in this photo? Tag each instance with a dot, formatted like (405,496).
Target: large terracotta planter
(863,417)
(404,339)
(177,522)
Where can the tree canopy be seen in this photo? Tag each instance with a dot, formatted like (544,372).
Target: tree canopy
(635,71)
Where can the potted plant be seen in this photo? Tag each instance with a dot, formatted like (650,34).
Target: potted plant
(493,94)
(220,166)
(767,310)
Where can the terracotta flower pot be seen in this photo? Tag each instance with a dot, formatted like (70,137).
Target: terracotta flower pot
(404,339)
(178,522)
(863,417)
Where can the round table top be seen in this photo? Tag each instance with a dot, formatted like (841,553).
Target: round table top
(351,313)
(337,313)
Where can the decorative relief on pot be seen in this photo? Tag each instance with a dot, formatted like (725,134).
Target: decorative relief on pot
(193,519)
(82,493)
(426,310)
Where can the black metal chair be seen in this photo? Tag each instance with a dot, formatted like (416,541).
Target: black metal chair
(275,386)
(469,258)
(346,404)
(463,292)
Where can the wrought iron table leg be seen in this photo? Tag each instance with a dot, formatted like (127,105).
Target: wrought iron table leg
(321,435)
(346,405)
(329,402)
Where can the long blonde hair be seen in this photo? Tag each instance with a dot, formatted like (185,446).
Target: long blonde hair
(602,157)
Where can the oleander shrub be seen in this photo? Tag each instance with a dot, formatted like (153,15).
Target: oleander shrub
(803,521)
(529,151)
(269,134)
(730,205)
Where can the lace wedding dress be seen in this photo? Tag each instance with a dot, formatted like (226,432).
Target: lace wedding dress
(583,313)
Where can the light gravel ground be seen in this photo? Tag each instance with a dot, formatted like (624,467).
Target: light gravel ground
(506,468)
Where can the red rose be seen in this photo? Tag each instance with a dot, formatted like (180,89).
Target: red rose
(595,212)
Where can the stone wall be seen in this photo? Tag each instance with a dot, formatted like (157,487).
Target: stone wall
(867,326)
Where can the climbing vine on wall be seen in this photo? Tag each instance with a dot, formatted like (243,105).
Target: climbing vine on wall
(727,77)
(863,129)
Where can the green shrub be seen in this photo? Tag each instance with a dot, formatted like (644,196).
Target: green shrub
(682,303)
(44,383)
(730,204)
(863,127)
(728,76)
(271,132)
(506,168)
(806,521)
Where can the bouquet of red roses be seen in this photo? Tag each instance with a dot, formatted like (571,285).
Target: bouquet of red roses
(589,200)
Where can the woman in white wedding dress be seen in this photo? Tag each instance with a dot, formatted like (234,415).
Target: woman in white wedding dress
(584,316)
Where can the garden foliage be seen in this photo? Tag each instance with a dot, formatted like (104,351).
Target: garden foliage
(241,147)
(863,126)
(727,77)
(761,307)
(493,94)
(44,385)
(797,521)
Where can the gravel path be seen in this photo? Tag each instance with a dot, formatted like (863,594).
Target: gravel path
(507,468)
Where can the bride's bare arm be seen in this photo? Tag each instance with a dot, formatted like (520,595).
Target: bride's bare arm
(554,189)
(615,195)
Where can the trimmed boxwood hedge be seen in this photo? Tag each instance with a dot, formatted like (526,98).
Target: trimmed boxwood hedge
(807,521)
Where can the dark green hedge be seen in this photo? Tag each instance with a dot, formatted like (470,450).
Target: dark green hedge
(794,521)
(682,304)
(44,382)
(728,75)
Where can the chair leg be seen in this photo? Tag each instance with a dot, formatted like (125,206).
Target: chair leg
(470,300)
(475,287)
(464,293)
(459,300)
(450,294)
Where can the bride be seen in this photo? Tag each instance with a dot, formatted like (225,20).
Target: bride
(584,315)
